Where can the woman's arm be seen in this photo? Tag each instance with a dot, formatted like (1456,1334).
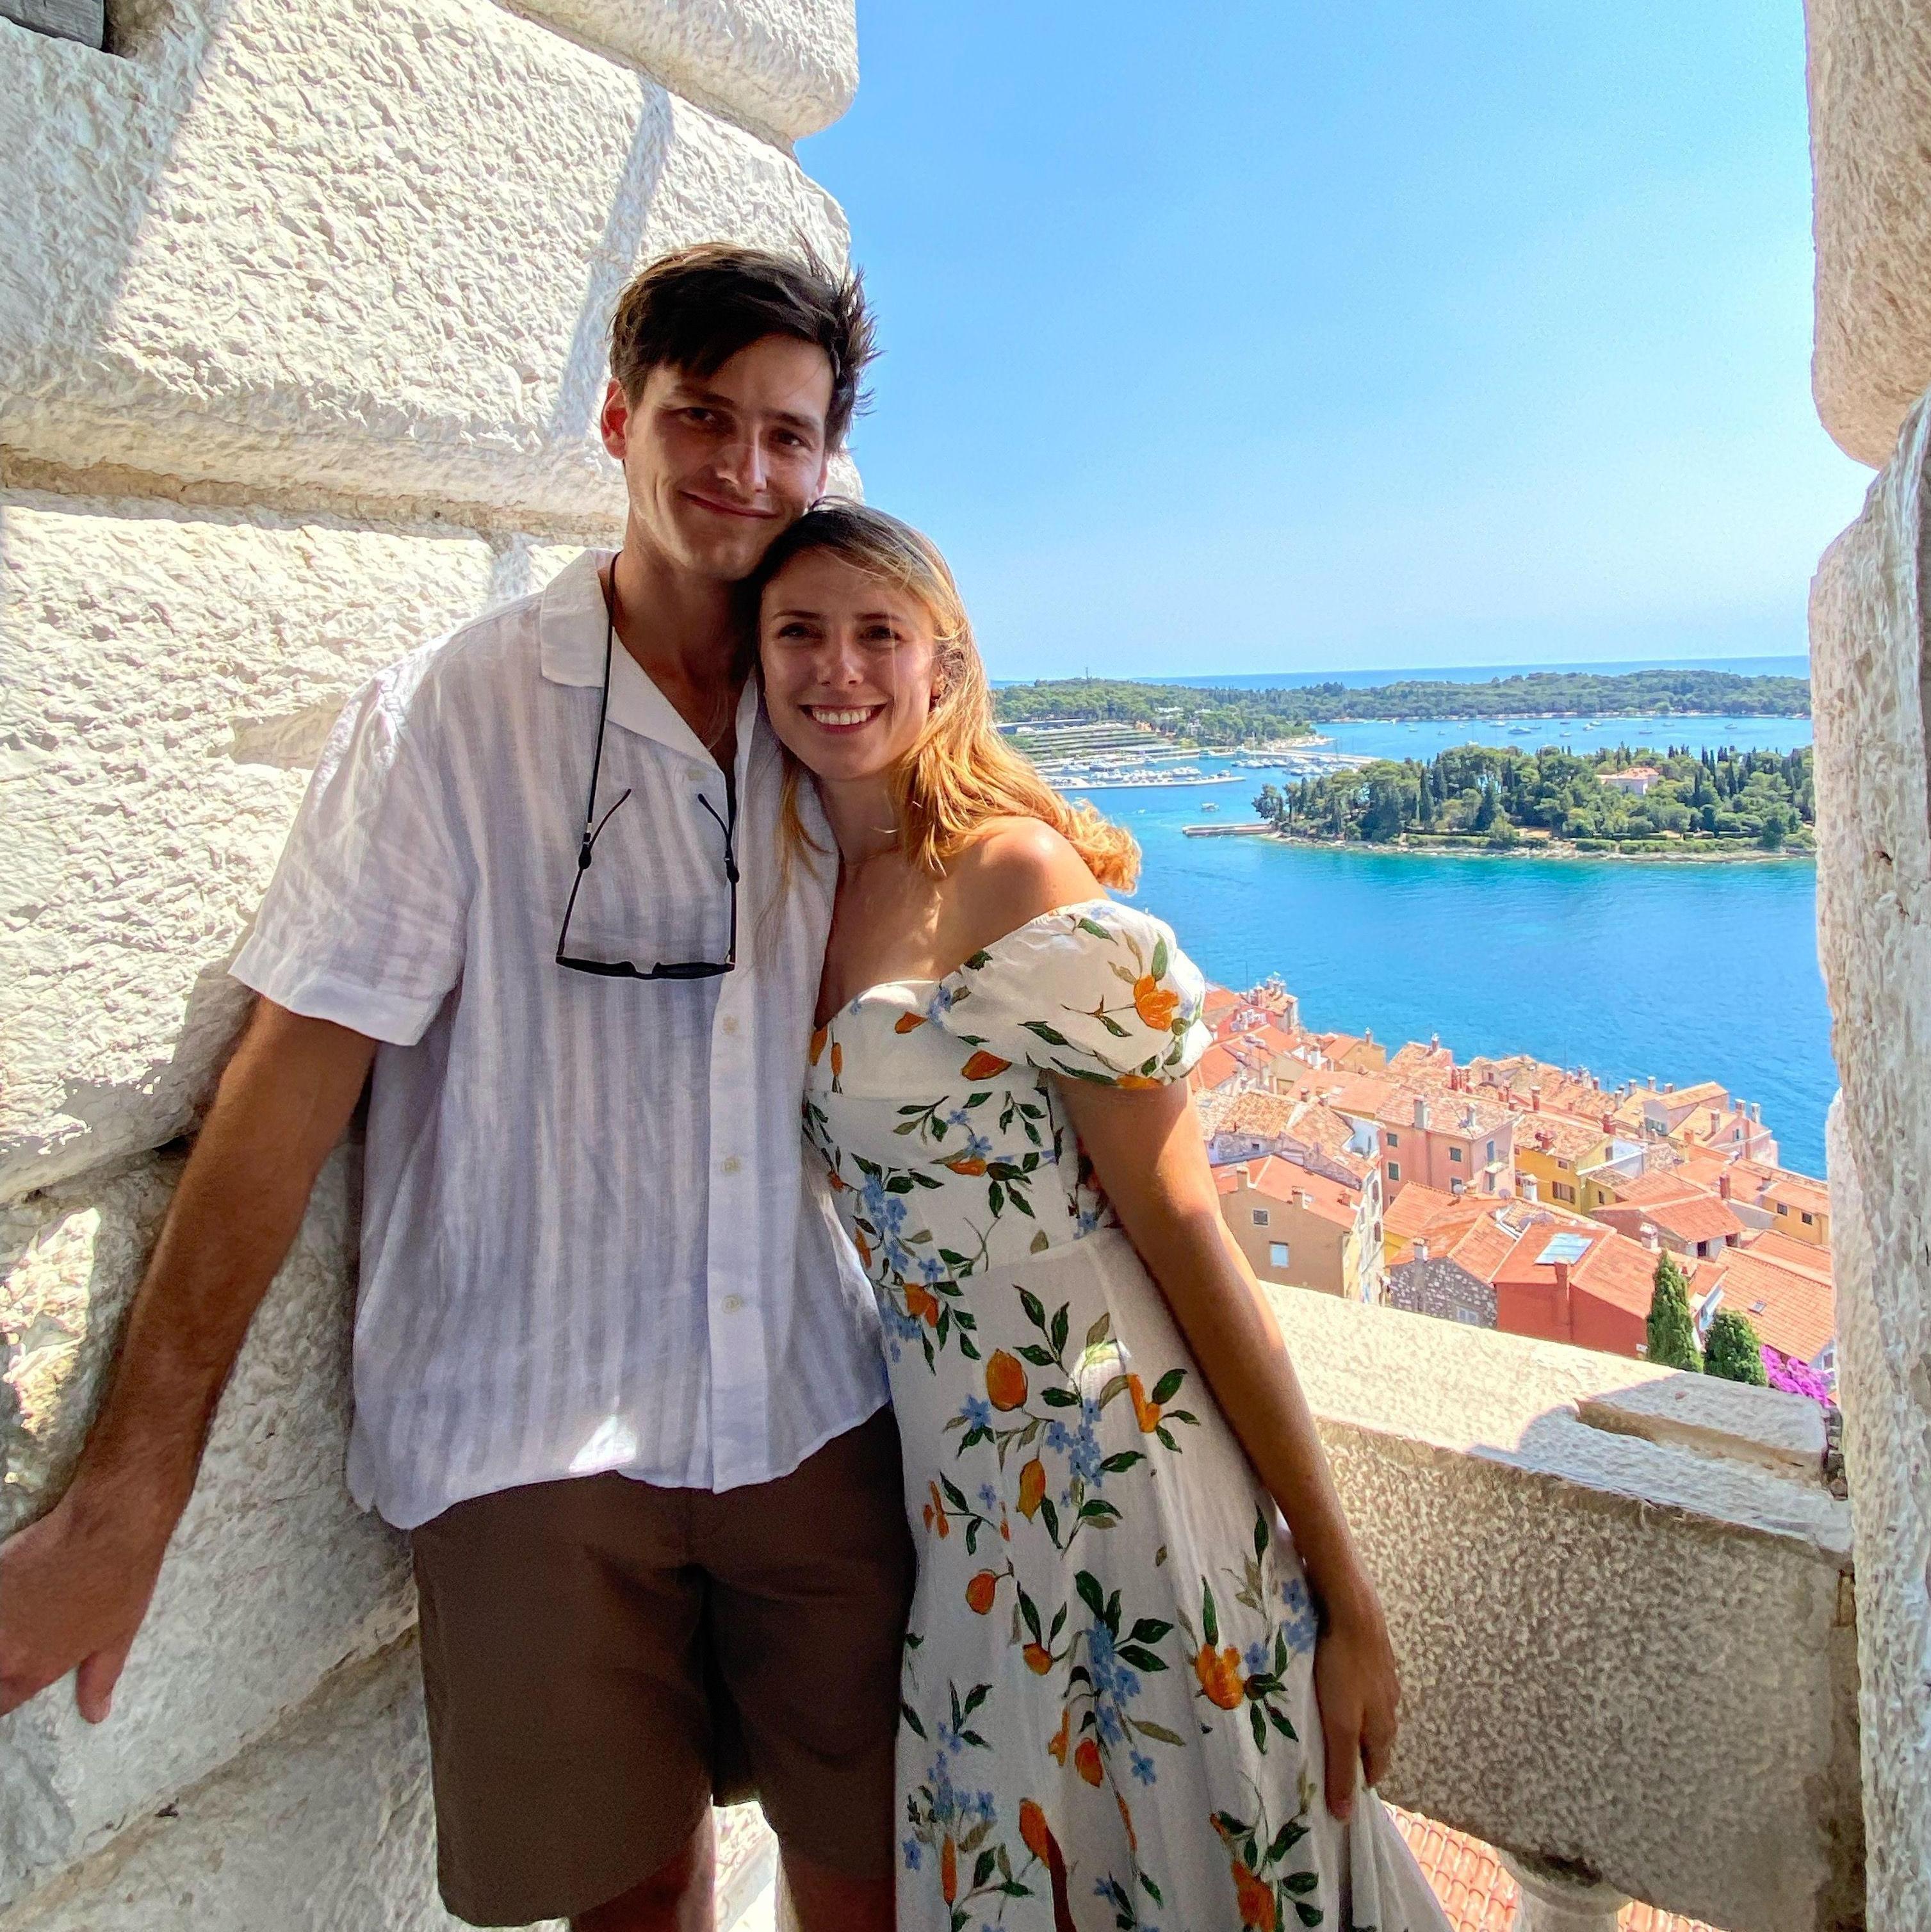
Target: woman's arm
(1146,1147)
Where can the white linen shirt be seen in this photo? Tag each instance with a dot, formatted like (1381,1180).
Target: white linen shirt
(589,1239)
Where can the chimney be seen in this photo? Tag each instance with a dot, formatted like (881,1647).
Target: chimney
(1434,1042)
(1421,1113)
(1608,1124)
(1723,1185)
(1565,1315)
(1303,1198)
(1669,1086)
(1421,1248)
(1367,1035)
(1650,1239)
(1535,1099)
(1241,1174)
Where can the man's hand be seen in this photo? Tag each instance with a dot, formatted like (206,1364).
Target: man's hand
(75,1585)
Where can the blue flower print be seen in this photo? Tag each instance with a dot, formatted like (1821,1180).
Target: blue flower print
(1256,1658)
(1142,1767)
(931,1271)
(976,1412)
(1300,1626)
(911,1848)
(988,1497)
(1058,1438)
(941,1002)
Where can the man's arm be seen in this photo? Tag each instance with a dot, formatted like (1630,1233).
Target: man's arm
(75,1585)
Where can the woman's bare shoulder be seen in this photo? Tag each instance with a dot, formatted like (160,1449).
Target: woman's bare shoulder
(1013,870)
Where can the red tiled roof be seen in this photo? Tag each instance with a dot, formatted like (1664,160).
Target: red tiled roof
(1478,1894)
(1413,1209)
(1562,1135)
(1800,1191)
(1214,1068)
(1802,1257)
(1693,1217)
(1292,1186)
(1796,1313)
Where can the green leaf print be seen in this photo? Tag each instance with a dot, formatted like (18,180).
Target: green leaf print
(1210,1619)
(1158,968)
(1051,1035)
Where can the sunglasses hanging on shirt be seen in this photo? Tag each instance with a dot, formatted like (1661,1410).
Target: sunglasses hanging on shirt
(593,827)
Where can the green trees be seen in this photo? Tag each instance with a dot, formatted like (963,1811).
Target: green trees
(1494,793)
(1734,1352)
(1672,1336)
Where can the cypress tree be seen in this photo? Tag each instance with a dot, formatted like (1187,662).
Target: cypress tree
(1672,1336)
(1734,1352)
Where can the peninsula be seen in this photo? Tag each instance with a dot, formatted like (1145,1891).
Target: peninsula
(1196,717)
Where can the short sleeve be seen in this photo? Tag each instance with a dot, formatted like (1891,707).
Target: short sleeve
(1097,991)
(364,921)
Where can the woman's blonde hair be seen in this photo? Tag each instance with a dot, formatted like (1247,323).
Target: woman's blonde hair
(961,772)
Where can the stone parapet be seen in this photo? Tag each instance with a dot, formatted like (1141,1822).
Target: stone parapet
(370,247)
(1870,629)
(1628,1651)
(1870,102)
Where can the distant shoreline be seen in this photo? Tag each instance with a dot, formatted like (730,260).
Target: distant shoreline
(1545,849)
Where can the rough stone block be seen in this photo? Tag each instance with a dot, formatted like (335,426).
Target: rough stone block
(273,1580)
(369,246)
(786,67)
(1870,102)
(171,674)
(325,1826)
(1870,651)
(1633,1656)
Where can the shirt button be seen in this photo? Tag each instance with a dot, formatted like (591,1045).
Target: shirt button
(732,1303)
(730,1023)
(729,1164)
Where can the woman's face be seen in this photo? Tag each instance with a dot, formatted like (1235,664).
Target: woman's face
(848,660)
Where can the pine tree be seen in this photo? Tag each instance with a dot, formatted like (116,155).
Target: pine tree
(1734,1352)
(1672,1337)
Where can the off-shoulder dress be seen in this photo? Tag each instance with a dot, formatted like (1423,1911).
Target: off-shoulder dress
(1109,1704)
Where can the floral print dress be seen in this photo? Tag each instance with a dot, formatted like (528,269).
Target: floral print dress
(1109,1717)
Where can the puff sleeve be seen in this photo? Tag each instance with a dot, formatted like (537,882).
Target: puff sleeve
(1097,991)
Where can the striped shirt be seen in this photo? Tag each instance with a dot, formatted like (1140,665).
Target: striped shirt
(589,1239)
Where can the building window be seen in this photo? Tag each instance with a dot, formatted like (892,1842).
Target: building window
(1260,1217)
(1563,1164)
(1455,1154)
(1562,1190)
(1781,1209)
(1808,1220)
(1394,1140)
(1277,1254)
(1394,1170)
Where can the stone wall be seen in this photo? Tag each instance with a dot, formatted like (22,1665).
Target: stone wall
(1870,106)
(302,340)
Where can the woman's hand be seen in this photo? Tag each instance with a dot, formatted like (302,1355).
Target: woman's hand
(1358,1691)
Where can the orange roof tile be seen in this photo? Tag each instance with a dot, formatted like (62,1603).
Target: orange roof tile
(1292,1186)
(1693,1218)
(1795,1312)
(1802,1257)
(1478,1894)
(1560,1135)
(1214,1068)
(1413,1209)
(1800,1191)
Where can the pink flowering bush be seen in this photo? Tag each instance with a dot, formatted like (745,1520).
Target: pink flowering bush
(1786,1372)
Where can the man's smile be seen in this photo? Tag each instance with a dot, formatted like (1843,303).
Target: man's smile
(720,508)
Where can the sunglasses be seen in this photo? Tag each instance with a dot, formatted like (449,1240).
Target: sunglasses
(593,827)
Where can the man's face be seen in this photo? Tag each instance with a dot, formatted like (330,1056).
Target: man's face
(716,465)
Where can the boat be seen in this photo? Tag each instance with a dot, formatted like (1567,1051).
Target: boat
(1208,804)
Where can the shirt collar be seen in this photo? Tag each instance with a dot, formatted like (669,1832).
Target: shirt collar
(571,626)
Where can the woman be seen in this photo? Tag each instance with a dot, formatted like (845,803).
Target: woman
(1117,1645)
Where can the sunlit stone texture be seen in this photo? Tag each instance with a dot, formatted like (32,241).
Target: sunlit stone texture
(1870,110)
(1869,645)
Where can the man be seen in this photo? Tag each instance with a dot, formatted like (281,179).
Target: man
(614,1365)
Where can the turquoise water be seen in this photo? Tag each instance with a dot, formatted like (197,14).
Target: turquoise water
(1687,971)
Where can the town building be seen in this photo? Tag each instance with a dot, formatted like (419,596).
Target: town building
(1301,1229)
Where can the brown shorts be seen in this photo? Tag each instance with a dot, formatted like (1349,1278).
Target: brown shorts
(600,1656)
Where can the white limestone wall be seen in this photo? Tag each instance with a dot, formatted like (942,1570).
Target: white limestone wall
(1870,651)
(1870,105)
(301,337)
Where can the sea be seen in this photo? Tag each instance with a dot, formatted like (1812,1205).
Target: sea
(1686,970)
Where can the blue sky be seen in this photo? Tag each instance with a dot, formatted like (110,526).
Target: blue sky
(1278,337)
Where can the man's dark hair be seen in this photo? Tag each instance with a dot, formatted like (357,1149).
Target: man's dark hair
(694,310)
